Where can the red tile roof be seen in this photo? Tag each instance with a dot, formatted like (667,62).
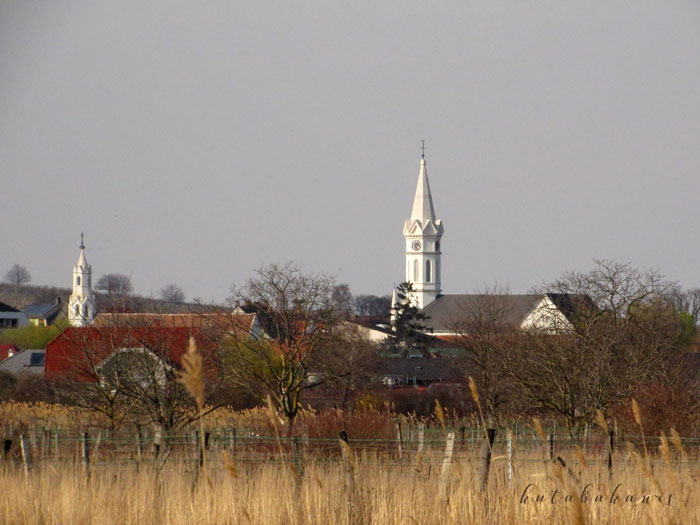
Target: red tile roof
(77,351)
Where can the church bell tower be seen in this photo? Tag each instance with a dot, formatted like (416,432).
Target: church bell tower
(81,306)
(423,233)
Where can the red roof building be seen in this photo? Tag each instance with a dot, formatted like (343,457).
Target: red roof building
(76,354)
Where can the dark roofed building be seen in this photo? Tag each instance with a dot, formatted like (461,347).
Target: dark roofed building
(43,314)
(11,317)
(30,360)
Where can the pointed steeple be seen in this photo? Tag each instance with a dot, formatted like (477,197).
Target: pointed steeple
(81,306)
(423,233)
(423,209)
(82,262)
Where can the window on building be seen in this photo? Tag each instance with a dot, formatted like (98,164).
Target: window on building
(77,281)
(77,310)
(427,271)
(415,271)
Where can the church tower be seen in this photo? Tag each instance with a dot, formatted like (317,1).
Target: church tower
(423,233)
(81,306)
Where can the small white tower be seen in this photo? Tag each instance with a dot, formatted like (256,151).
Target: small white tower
(423,233)
(81,307)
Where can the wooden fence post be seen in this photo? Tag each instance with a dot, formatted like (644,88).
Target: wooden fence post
(399,439)
(550,447)
(7,445)
(446,465)
(421,443)
(55,442)
(355,514)
(485,458)
(232,441)
(510,456)
(609,451)
(26,454)
(86,453)
(139,443)
(157,440)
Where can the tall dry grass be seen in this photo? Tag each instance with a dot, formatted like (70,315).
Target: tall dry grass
(390,492)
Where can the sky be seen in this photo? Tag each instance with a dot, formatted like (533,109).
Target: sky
(194,142)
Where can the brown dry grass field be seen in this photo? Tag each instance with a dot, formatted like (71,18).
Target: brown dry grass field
(262,481)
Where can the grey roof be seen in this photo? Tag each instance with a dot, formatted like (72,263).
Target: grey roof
(45,310)
(25,361)
(448,310)
(7,308)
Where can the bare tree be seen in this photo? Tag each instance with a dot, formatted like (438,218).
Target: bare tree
(628,338)
(172,294)
(298,315)
(342,298)
(687,301)
(372,305)
(486,335)
(348,364)
(128,372)
(114,284)
(18,275)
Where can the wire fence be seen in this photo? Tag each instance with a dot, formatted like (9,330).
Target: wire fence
(41,445)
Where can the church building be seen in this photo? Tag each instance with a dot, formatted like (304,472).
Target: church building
(81,306)
(423,233)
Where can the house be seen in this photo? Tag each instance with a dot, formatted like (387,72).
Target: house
(238,324)
(25,361)
(11,317)
(7,351)
(81,354)
(43,314)
(373,328)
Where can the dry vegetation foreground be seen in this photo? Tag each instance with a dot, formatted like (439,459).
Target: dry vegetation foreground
(387,490)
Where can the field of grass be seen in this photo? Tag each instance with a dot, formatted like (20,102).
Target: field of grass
(258,478)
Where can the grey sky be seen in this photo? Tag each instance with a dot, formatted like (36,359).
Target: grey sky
(193,143)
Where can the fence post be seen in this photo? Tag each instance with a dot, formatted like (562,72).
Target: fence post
(485,458)
(399,439)
(86,453)
(55,442)
(157,440)
(26,454)
(354,509)
(232,441)
(462,433)
(609,451)
(421,443)
(446,464)
(510,456)
(550,447)
(139,443)
(7,445)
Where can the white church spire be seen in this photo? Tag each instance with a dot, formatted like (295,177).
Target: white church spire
(423,209)
(423,233)
(81,306)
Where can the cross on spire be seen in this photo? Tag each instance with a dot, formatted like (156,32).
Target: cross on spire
(82,244)
(422,148)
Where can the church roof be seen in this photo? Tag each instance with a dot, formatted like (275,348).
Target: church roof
(447,310)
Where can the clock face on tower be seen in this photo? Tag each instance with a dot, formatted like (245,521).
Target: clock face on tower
(416,245)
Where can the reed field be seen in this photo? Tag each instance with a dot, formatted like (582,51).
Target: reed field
(74,469)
